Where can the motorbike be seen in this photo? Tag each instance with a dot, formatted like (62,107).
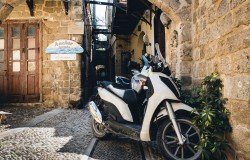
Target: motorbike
(124,81)
(151,110)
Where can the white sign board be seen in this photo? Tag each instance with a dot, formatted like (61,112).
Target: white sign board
(59,57)
(64,46)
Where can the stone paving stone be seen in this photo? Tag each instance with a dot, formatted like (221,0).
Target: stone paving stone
(118,148)
(64,136)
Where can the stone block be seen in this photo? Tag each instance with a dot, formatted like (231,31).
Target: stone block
(50,3)
(201,10)
(38,13)
(74,84)
(204,36)
(221,47)
(212,66)
(210,50)
(194,17)
(65,84)
(196,54)
(184,13)
(39,2)
(223,8)
(62,30)
(76,3)
(38,7)
(64,90)
(214,31)
(184,52)
(62,36)
(237,87)
(59,3)
(225,65)
(185,33)
(195,4)
(195,70)
(202,69)
(173,4)
(238,41)
(64,76)
(235,3)
(46,91)
(64,23)
(241,140)
(196,82)
(202,53)
(241,61)
(242,16)
(75,13)
(58,10)
(239,112)
(186,81)
(76,77)
(60,84)
(183,67)
(225,25)
(212,13)
(49,10)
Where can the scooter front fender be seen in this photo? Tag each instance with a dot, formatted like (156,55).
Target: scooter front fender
(176,107)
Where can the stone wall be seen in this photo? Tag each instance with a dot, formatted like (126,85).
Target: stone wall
(60,83)
(214,36)
(221,43)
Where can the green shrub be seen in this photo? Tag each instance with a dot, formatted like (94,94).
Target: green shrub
(212,118)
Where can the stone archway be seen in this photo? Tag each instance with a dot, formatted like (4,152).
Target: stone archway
(179,11)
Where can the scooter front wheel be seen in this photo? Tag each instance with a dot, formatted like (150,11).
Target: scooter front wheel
(98,130)
(169,145)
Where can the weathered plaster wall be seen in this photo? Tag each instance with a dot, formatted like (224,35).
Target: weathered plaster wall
(60,80)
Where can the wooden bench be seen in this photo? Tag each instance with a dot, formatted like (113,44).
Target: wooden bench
(3,116)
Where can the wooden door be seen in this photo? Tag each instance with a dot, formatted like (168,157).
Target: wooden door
(21,74)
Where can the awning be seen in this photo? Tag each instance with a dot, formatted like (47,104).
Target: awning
(64,46)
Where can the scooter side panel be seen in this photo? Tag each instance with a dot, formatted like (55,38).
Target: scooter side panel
(161,92)
(121,105)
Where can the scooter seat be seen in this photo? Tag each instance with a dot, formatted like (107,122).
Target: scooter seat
(127,95)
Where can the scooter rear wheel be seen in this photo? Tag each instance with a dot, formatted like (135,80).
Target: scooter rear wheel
(98,130)
(169,145)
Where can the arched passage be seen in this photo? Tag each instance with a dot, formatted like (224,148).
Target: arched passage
(179,11)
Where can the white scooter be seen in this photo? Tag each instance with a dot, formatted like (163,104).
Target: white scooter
(163,118)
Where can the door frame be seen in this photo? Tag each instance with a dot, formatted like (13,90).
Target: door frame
(40,47)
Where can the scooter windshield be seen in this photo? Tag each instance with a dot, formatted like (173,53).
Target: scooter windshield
(160,55)
(145,60)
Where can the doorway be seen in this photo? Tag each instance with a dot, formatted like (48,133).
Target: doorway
(159,32)
(19,62)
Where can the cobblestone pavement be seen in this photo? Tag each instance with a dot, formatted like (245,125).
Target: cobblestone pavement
(63,136)
(20,114)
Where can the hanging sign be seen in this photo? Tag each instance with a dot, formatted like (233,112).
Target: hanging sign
(64,46)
